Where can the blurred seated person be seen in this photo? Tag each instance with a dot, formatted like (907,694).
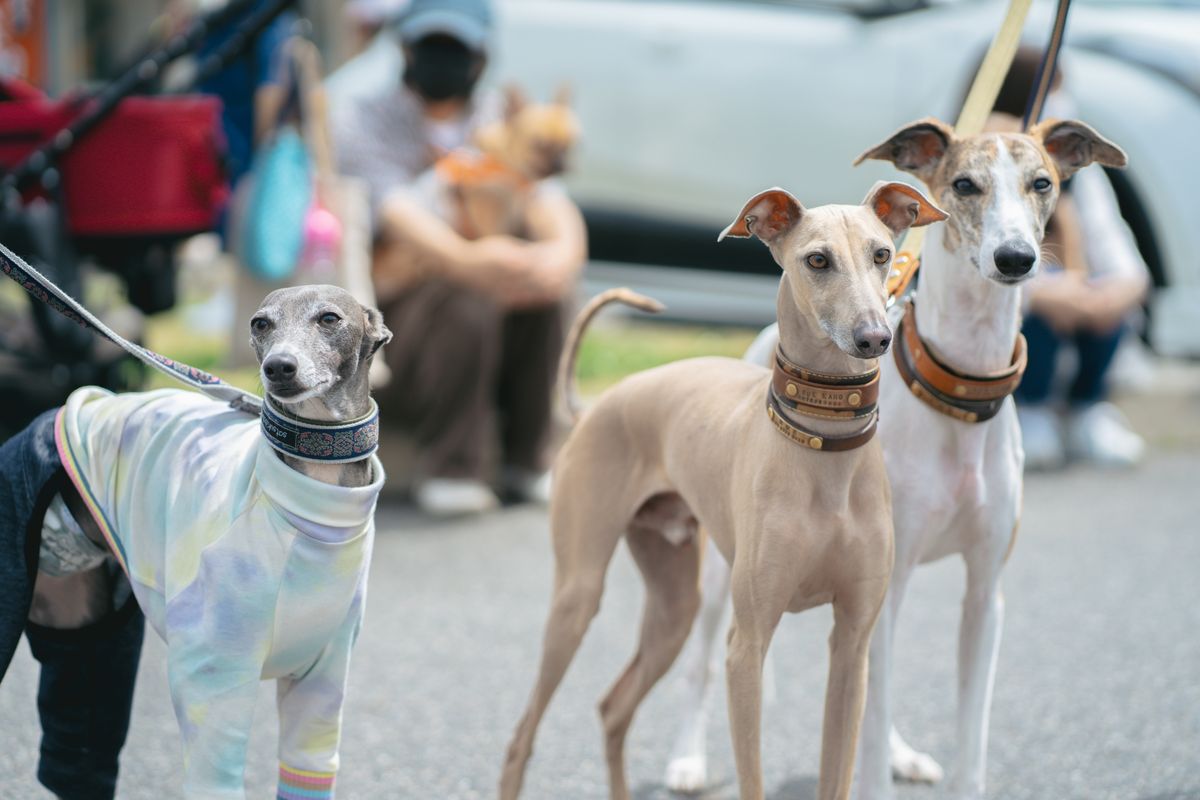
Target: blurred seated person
(1092,282)
(478,328)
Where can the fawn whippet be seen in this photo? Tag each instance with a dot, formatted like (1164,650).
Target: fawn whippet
(779,468)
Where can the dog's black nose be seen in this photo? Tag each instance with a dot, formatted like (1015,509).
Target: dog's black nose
(1014,258)
(280,367)
(872,339)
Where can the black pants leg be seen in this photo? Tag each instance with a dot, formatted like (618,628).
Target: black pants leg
(87,676)
(85,696)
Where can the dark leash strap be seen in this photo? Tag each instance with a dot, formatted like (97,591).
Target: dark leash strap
(1047,68)
(308,440)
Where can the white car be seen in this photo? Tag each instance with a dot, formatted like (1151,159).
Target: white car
(688,108)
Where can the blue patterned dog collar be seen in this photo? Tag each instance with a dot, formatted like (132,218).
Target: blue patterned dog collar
(322,442)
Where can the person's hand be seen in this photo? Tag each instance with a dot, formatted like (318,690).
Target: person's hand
(515,273)
(1061,299)
(1110,301)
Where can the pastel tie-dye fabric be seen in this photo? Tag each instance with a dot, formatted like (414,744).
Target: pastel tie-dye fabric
(248,569)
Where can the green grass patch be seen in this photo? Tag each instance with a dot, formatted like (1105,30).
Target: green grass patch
(611,352)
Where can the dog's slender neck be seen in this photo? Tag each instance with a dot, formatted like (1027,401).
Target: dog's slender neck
(341,404)
(970,322)
(805,344)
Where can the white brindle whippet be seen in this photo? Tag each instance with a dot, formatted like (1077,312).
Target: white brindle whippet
(951,440)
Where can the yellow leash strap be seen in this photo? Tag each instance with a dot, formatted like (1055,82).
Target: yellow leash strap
(978,105)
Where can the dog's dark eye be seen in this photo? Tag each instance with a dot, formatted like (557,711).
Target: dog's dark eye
(1042,185)
(330,318)
(882,255)
(259,324)
(965,187)
(817,261)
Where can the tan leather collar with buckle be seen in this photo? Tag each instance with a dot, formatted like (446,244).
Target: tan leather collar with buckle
(969,398)
(817,394)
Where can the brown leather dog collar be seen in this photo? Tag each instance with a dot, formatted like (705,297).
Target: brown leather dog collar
(969,398)
(816,441)
(817,394)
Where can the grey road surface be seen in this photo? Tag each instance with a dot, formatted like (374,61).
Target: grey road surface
(1098,694)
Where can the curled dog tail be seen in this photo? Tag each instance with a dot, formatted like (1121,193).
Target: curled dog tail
(570,353)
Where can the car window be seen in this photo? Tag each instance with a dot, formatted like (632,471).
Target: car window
(868,8)
(865,8)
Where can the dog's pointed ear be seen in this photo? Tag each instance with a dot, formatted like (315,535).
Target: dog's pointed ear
(916,148)
(900,206)
(375,333)
(562,95)
(514,101)
(1073,145)
(768,215)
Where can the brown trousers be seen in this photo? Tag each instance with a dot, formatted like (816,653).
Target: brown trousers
(468,376)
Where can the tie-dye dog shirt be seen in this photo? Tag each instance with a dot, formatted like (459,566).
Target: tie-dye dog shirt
(248,569)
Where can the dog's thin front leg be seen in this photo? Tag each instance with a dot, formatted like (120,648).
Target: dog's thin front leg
(978,649)
(688,769)
(214,705)
(310,715)
(874,774)
(757,607)
(854,614)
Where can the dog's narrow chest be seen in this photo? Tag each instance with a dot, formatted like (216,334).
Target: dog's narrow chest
(223,543)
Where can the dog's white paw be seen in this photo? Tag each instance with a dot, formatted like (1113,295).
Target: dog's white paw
(910,766)
(687,774)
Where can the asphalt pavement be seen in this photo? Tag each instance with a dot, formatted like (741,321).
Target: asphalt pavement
(1097,695)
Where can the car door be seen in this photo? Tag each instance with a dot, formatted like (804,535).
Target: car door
(689,107)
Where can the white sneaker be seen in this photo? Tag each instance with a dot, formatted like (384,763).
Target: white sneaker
(526,485)
(454,497)
(1100,433)
(1041,437)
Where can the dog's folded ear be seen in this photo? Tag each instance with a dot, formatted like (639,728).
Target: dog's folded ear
(375,333)
(916,148)
(767,215)
(1073,145)
(900,206)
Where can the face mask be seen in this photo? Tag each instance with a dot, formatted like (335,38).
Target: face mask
(440,68)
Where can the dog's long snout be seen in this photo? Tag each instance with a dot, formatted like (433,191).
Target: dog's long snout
(872,339)
(280,367)
(1014,258)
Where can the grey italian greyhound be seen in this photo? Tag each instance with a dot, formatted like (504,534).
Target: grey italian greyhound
(314,367)
(799,505)
(245,541)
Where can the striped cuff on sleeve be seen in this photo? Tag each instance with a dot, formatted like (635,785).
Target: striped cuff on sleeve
(302,784)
